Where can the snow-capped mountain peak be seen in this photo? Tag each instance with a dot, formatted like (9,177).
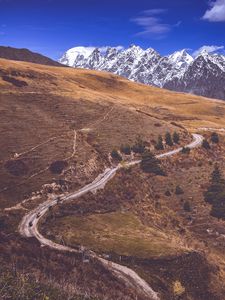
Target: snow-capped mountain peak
(180,58)
(178,71)
(72,54)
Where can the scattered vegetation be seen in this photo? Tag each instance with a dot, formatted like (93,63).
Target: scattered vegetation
(17,285)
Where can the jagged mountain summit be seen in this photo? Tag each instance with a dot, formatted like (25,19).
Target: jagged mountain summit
(203,75)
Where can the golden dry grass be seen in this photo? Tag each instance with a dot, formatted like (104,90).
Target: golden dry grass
(192,111)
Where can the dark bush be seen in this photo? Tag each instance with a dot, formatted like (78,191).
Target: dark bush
(158,125)
(2,222)
(185,150)
(179,190)
(14,81)
(216,175)
(126,149)
(57,166)
(115,155)
(187,206)
(218,210)
(215,194)
(139,146)
(16,167)
(168,193)
(205,144)
(150,164)
(215,138)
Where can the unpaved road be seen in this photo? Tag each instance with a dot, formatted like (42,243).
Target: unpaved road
(29,224)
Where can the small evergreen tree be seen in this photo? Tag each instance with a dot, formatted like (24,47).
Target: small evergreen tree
(150,164)
(126,149)
(115,155)
(215,138)
(168,139)
(159,145)
(176,137)
(215,194)
(205,144)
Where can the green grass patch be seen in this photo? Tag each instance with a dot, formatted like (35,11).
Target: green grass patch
(122,233)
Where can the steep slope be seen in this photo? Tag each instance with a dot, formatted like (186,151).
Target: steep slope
(179,71)
(26,55)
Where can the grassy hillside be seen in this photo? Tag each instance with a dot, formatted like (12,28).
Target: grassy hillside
(58,128)
(143,221)
(104,87)
(38,122)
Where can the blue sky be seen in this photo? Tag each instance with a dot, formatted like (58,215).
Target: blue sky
(52,26)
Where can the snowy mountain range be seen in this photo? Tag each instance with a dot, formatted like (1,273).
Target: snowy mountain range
(203,75)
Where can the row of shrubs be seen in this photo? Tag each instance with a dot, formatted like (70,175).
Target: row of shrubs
(169,140)
(140,146)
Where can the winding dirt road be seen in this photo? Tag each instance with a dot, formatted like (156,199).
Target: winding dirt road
(29,224)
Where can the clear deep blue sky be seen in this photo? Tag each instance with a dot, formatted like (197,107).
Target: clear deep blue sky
(52,26)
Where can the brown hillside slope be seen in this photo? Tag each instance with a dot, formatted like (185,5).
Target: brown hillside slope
(193,111)
(26,55)
(41,105)
(52,117)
